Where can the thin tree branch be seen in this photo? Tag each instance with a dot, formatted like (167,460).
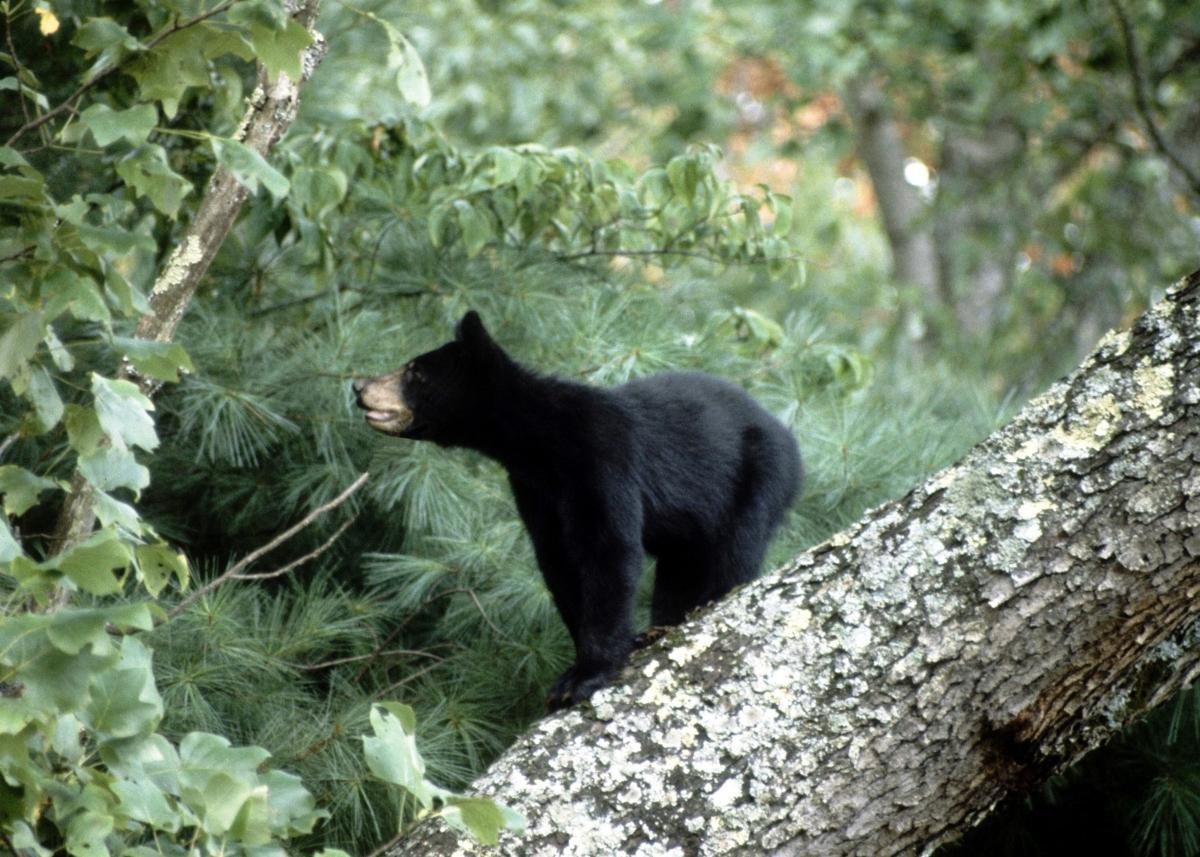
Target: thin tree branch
(86,87)
(1141,98)
(234,571)
(279,572)
(324,665)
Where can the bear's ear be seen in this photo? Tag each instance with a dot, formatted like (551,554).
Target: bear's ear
(471,333)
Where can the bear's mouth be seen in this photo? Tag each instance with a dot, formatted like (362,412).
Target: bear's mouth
(389,421)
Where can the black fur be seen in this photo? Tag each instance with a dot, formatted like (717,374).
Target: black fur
(682,466)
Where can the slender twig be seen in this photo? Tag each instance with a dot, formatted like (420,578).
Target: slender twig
(235,570)
(68,104)
(280,572)
(416,653)
(410,677)
(7,442)
(16,60)
(1141,98)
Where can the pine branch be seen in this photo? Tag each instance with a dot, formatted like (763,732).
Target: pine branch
(234,572)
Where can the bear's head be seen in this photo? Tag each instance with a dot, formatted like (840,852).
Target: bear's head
(437,395)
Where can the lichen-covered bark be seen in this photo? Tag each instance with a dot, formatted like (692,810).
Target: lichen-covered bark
(884,690)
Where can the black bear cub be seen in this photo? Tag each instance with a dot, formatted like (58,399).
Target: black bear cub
(682,466)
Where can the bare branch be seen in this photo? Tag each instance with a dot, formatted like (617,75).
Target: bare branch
(353,659)
(1141,98)
(234,571)
(279,572)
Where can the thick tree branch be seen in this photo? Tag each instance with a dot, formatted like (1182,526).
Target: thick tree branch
(883,691)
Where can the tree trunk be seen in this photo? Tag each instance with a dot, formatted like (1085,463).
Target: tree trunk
(904,213)
(885,689)
(271,111)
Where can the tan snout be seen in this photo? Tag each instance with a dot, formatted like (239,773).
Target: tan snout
(382,399)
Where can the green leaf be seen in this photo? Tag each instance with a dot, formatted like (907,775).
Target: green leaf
(160,360)
(155,565)
(411,78)
(279,49)
(124,700)
(47,405)
(480,817)
(292,809)
(65,289)
(475,225)
(249,167)
(83,429)
(128,297)
(20,342)
(103,34)
(114,513)
(392,754)
(146,171)
(112,467)
(21,488)
(22,187)
(122,411)
(143,801)
(9,549)
(180,61)
(107,125)
(90,565)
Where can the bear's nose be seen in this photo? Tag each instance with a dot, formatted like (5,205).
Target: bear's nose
(357,384)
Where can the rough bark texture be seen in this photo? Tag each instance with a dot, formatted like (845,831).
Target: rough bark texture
(884,690)
(271,111)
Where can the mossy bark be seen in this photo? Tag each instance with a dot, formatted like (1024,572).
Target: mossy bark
(883,691)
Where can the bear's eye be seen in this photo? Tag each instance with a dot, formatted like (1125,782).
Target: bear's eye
(414,375)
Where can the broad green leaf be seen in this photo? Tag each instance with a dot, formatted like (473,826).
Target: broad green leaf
(143,801)
(180,61)
(97,35)
(20,342)
(47,406)
(125,701)
(21,488)
(26,91)
(411,78)
(279,49)
(123,413)
(112,467)
(156,564)
(475,226)
(86,833)
(252,824)
(107,125)
(64,289)
(84,433)
(160,360)
(318,190)
(90,565)
(249,167)
(146,171)
(480,817)
(392,756)
(129,298)
(22,187)
(292,809)
(203,754)
(114,513)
